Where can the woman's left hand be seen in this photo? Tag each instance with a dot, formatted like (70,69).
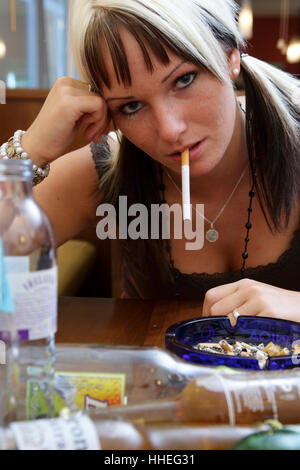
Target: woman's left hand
(252,298)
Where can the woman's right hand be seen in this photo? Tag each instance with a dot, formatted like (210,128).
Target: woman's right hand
(68,105)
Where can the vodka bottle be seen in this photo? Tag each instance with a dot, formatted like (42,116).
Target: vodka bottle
(29,257)
(87,432)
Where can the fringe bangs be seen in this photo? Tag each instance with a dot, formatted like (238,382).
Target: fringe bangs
(200,33)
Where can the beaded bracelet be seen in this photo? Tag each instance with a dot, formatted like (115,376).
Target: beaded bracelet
(13,149)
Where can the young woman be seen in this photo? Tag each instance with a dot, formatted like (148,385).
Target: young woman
(163,76)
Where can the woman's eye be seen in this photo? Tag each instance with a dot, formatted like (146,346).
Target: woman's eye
(130,108)
(186,80)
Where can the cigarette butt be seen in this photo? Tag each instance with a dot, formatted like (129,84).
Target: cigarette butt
(185,172)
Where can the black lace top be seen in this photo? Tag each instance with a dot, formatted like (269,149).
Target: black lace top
(157,281)
(285,273)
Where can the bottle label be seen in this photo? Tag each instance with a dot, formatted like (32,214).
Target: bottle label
(88,390)
(75,433)
(35,300)
(76,391)
(255,394)
(216,384)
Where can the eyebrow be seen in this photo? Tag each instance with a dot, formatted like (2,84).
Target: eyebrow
(173,71)
(120,98)
(163,81)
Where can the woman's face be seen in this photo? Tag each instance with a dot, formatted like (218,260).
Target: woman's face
(176,107)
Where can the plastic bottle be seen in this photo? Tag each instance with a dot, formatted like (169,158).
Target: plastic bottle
(82,432)
(235,399)
(29,258)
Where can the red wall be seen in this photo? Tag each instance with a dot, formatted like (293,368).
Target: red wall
(264,41)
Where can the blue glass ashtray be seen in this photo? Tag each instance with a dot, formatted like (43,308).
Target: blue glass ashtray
(182,339)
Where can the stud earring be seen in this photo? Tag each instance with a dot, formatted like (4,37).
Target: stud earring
(235,72)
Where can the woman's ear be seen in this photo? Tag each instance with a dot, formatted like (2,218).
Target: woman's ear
(234,62)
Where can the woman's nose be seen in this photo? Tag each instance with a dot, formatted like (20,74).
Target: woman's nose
(170,124)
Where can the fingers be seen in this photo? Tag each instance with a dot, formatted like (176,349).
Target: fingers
(87,119)
(73,99)
(214,295)
(253,298)
(244,306)
(96,137)
(89,104)
(69,105)
(69,82)
(97,126)
(227,304)
(246,295)
(93,131)
(96,117)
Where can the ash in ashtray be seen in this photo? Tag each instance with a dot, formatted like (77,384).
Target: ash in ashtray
(239,348)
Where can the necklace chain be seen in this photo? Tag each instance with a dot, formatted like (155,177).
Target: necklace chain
(176,273)
(212,222)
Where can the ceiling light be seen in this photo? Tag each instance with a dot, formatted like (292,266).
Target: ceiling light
(246,19)
(293,51)
(2,49)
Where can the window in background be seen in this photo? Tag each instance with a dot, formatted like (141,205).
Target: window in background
(36,54)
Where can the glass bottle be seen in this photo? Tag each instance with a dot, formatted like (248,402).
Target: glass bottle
(83,432)
(30,262)
(8,349)
(89,377)
(235,399)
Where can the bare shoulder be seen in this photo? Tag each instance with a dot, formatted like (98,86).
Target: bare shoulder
(70,195)
(71,169)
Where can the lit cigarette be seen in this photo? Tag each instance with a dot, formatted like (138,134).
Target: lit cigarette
(185,173)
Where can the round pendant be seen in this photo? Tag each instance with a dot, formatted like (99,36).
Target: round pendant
(212,235)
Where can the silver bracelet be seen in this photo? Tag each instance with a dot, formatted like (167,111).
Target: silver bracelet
(13,149)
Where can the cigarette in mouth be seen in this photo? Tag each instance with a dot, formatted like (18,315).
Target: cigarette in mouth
(185,173)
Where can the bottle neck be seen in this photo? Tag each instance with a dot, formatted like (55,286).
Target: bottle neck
(14,188)
(15,178)
(156,411)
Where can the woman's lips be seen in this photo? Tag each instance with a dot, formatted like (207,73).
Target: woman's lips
(194,153)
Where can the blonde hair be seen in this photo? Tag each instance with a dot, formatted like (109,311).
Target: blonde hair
(189,31)
(269,80)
